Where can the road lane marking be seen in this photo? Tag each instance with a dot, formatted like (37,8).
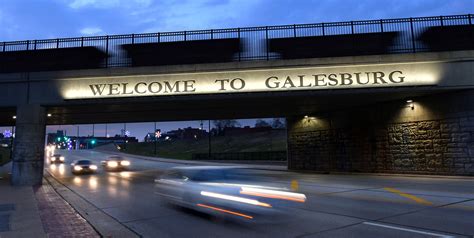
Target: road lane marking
(408,230)
(409,196)
(294,185)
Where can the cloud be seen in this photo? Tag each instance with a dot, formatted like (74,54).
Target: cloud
(38,19)
(91,31)
(77,4)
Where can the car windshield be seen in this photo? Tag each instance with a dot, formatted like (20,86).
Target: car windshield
(57,155)
(84,162)
(115,158)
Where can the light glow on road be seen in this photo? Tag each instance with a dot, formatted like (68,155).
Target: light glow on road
(125,174)
(112,180)
(77,181)
(225,211)
(61,169)
(93,183)
(235,199)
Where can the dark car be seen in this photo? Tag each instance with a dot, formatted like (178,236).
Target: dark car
(56,158)
(115,163)
(83,167)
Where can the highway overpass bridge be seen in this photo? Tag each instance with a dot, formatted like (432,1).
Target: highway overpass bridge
(390,96)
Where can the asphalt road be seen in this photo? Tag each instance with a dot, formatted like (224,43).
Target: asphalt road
(337,205)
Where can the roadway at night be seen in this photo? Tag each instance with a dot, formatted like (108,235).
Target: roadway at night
(336,205)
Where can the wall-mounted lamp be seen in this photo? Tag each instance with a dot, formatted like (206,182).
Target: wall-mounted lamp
(410,104)
(14,117)
(49,115)
(309,119)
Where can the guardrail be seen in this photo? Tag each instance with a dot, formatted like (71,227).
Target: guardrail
(235,156)
(255,41)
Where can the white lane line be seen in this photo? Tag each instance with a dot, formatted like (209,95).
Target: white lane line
(406,229)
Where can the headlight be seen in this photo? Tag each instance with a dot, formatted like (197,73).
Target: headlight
(61,158)
(125,163)
(53,159)
(77,168)
(112,164)
(93,167)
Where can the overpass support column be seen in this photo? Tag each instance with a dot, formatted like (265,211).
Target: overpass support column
(28,150)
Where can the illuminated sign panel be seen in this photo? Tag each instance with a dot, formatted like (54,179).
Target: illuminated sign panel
(264,80)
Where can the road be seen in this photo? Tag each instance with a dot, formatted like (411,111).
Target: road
(337,205)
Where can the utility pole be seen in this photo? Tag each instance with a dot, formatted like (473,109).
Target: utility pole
(156,140)
(209,135)
(78,142)
(124,134)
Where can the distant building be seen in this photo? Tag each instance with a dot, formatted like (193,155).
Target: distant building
(186,134)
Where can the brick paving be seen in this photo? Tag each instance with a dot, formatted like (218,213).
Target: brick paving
(58,217)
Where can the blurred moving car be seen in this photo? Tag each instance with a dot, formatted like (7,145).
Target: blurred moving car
(56,158)
(83,167)
(115,163)
(226,191)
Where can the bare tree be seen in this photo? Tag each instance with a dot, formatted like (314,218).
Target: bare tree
(278,123)
(261,123)
(221,124)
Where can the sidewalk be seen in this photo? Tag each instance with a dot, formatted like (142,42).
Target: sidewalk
(38,212)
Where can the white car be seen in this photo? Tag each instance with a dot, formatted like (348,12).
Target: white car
(226,191)
(56,158)
(115,163)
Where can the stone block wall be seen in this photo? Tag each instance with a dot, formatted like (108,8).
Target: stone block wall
(440,141)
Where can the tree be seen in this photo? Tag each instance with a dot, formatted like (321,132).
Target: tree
(261,123)
(221,124)
(278,124)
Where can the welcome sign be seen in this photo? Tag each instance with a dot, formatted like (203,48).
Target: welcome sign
(264,80)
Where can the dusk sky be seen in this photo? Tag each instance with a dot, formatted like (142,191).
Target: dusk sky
(41,19)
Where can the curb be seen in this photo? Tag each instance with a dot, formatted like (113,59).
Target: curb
(103,223)
(266,167)
(189,162)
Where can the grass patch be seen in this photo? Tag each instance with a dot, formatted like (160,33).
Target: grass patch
(4,155)
(183,149)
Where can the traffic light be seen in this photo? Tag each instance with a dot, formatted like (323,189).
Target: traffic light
(93,141)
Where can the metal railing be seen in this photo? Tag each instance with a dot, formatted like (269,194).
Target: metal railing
(254,40)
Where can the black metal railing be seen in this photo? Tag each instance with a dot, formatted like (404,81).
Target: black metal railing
(255,42)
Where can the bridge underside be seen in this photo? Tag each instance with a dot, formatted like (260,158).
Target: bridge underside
(255,105)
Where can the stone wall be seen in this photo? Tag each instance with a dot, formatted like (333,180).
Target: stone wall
(434,138)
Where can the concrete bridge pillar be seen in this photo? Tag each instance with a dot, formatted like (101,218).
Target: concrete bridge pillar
(28,150)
